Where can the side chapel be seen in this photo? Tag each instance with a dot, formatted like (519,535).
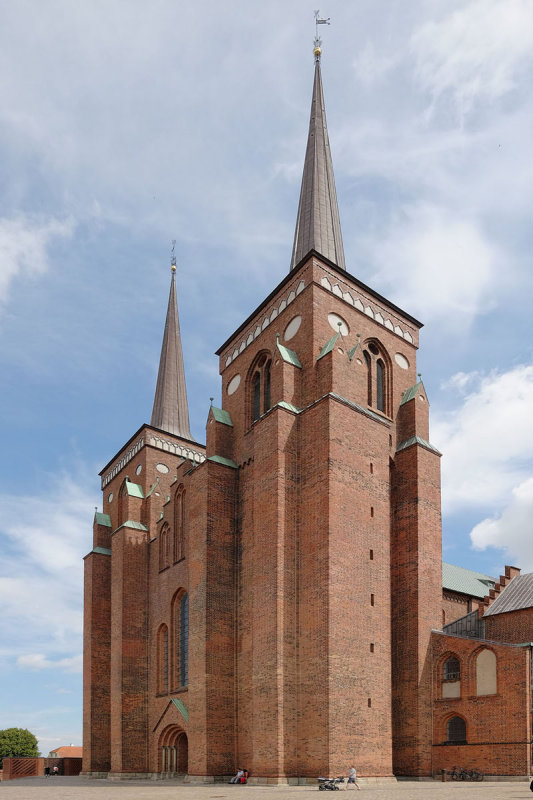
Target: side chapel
(273,599)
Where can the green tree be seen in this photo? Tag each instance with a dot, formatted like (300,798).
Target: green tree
(17,742)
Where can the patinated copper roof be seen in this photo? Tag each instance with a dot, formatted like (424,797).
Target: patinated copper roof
(318,225)
(171,411)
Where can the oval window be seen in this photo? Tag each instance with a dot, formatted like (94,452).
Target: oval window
(292,328)
(401,361)
(334,321)
(234,384)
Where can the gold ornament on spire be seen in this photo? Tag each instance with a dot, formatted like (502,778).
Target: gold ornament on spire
(173,256)
(317,44)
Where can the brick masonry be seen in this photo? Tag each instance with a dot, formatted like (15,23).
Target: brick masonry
(308,543)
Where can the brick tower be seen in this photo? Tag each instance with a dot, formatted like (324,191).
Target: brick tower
(271,598)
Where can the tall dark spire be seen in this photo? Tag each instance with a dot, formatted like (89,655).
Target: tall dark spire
(171,411)
(318,225)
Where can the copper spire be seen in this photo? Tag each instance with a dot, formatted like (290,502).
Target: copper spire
(171,412)
(318,225)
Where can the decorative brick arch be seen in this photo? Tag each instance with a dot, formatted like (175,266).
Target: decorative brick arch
(162,659)
(179,524)
(173,751)
(180,646)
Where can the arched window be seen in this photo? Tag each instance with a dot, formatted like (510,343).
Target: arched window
(451,670)
(378,377)
(257,396)
(184,640)
(162,660)
(380,385)
(368,362)
(486,673)
(179,524)
(456,730)
(259,386)
(180,622)
(164,547)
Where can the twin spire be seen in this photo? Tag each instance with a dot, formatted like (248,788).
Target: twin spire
(171,411)
(318,224)
(317,228)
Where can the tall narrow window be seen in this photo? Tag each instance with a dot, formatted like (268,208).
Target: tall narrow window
(256,396)
(184,640)
(368,361)
(267,386)
(380,386)
(179,524)
(259,387)
(164,547)
(162,660)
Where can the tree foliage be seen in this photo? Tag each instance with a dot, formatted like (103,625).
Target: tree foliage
(17,742)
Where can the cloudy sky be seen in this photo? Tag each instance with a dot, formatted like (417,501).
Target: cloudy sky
(126,124)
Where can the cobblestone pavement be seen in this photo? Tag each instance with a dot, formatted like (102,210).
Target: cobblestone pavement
(63,788)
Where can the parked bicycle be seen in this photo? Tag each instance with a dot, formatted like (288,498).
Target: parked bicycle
(460,774)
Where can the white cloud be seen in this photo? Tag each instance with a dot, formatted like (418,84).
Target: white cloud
(38,661)
(439,264)
(24,244)
(510,530)
(476,52)
(372,66)
(43,539)
(487,442)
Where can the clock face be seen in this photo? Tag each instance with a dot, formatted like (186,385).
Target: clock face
(162,468)
(139,469)
(110,497)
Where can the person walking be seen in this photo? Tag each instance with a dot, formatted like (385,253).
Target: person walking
(352,779)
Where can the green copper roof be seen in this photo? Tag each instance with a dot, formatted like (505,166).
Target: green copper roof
(353,351)
(134,489)
(288,355)
(131,523)
(465,581)
(328,347)
(411,392)
(222,416)
(182,708)
(227,462)
(102,519)
(288,406)
(104,551)
(417,440)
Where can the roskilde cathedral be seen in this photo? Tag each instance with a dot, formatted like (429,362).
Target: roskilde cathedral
(274,599)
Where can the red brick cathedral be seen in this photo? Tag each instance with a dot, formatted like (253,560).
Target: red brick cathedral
(273,599)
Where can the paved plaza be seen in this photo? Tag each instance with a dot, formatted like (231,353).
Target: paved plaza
(62,788)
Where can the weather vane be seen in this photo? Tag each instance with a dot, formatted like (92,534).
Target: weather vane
(318,41)
(173,256)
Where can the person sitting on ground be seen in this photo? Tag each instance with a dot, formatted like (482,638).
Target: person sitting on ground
(238,776)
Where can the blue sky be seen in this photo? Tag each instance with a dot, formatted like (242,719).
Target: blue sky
(124,125)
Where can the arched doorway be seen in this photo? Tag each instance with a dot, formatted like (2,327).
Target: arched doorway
(173,751)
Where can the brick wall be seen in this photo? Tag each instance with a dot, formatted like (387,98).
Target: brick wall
(498,726)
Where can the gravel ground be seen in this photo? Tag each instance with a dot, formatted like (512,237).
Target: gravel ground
(63,788)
